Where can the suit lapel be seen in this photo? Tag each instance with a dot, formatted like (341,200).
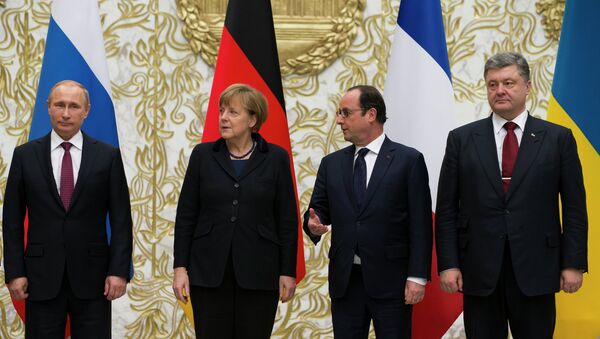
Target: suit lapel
(88,157)
(221,155)
(347,173)
(485,143)
(533,135)
(43,158)
(384,159)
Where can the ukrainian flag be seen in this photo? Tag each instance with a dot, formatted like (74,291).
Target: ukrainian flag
(575,103)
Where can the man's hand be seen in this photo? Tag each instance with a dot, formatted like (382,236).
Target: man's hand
(571,280)
(114,287)
(287,287)
(314,224)
(18,288)
(181,284)
(451,280)
(413,293)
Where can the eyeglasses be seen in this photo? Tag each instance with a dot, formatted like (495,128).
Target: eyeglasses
(346,112)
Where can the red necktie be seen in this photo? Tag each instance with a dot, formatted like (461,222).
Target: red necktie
(510,147)
(66,176)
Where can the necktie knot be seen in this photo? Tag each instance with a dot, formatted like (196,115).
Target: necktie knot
(66,145)
(362,152)
(510,126)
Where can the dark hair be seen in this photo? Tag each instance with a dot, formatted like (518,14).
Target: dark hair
(501,60)
(370,97)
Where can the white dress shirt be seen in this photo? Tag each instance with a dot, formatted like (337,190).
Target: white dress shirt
(500,133)
(57,153)
(374,147)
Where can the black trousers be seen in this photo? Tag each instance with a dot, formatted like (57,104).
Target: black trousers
(47,319)
(489,317)
(353,312)
(229,311)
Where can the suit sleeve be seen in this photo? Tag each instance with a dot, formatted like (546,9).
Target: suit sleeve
(13,220)
(120,220)
(420,221)
(574,212)
(446,238)
(319,201)
(287,218)
(187,211)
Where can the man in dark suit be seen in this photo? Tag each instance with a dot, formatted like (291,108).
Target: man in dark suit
(67,183)
(375,196)
(498,230)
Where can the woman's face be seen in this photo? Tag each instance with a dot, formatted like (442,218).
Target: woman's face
(235,122)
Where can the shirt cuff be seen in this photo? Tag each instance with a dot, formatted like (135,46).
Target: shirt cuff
(420,281)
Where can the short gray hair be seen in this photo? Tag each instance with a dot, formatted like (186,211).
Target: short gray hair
(86,94)
(501,60)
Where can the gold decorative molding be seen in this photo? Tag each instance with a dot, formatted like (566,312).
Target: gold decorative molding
(311,34)
(161,87)
(552,12)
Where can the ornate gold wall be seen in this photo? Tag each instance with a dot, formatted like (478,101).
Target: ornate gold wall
(161,86)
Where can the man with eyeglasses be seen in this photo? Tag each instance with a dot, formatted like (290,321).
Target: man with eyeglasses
(374,197)
(499,236)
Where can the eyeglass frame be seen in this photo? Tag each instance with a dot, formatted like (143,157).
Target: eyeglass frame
(344,113)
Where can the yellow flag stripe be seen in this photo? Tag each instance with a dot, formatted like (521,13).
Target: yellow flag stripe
(578,315)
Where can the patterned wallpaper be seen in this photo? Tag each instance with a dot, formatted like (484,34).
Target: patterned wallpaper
(160,55)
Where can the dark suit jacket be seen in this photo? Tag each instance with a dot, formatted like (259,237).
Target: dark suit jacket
(252,217)
(475,217)
(393,229)
(73,240)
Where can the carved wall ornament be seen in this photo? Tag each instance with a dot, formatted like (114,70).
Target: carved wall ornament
(311,34)
(552,12)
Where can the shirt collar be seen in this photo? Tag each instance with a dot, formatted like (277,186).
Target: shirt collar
(374,146)
(499,121)
(56,140)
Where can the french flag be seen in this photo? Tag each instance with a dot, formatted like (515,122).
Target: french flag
(420,105)
(75,51)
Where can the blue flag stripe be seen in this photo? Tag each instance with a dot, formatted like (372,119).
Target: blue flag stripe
(422,20)
(63,61)
(576,75)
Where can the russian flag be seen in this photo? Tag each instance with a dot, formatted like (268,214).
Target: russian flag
(420,105)
(575,103)
(75,51)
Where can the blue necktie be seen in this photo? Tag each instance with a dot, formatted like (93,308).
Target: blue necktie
(360,176)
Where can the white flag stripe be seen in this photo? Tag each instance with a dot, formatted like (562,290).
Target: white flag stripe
(72,16)
(419,102)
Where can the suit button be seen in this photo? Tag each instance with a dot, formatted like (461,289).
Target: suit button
(358,223)
(235,202)
(502,236)
(507,212)
(233,219)
(236,185)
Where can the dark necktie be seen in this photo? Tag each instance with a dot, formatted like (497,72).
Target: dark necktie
(510,147)
(360,176)
(66,177)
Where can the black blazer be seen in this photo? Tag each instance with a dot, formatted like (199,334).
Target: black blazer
(252,217)
(475,217)
(393,230)
(73,240)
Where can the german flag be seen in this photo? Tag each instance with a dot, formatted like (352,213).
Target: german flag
(248,54)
